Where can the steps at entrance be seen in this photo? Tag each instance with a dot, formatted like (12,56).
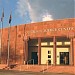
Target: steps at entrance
(33,68)
(45,68)
(2,66)
(61,69)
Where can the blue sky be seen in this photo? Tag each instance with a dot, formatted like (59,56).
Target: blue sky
(29,11)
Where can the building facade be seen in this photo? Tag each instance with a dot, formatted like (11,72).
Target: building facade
(50,42)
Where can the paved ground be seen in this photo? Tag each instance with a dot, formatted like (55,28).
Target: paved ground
(4,72)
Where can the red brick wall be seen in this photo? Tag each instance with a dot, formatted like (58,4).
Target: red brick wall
(4,46)
(16,44)
(34,29)
(19,42)
(12,44)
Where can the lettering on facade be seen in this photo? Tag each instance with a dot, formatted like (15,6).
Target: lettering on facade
(50,30)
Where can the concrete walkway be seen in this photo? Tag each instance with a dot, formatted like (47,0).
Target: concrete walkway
(7,72)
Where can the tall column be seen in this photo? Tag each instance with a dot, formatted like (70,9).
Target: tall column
(39,51)
(71,51)
(25,51)
(54,50)
(74,51)
(15,41)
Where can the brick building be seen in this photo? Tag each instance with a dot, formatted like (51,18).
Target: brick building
(51,42)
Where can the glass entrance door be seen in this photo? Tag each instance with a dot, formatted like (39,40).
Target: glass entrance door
(35,57)
(64,58)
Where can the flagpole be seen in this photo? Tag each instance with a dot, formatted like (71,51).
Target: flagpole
(0,42)
(8,60)
(8,45)
(1,33)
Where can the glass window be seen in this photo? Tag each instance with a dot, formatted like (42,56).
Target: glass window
(49,61)
(51,43)
(49,56)
(59,43)
(67,43)
(49,52)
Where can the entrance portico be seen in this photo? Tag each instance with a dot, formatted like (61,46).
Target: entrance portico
(54,50)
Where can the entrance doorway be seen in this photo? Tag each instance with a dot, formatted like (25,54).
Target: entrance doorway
(64,58)
(35,57)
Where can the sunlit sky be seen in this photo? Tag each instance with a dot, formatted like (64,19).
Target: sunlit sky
(29,11)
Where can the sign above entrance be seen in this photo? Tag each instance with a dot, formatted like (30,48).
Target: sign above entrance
(50,30)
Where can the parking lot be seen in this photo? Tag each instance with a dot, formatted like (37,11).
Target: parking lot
(7,72)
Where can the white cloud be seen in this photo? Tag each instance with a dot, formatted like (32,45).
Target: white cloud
(47,17)
(31,12)
(56,9)
(25,5)
(22,7)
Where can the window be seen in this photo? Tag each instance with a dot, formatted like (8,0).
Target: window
(67,43)
(49,56)
(51,43)
(49,52)
(49,61)
(59,43)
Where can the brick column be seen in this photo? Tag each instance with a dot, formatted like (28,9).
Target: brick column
(74,50)
(15,41)
(54,50)
(25,51)
(71,51)
(39,51)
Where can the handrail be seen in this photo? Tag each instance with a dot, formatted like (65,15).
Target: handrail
(43,68)
(29,61)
